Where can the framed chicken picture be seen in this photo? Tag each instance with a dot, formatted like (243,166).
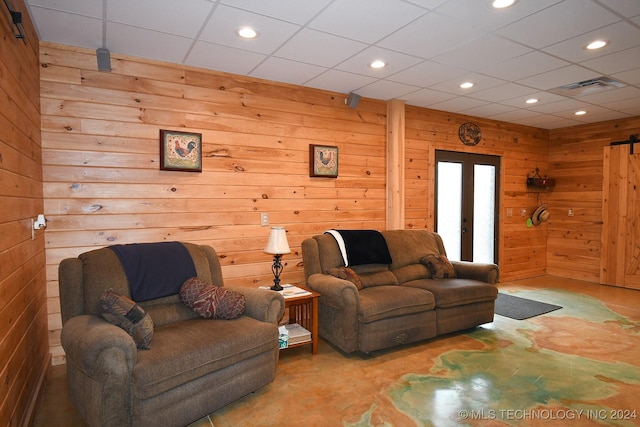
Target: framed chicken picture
(323,161)
(180,151)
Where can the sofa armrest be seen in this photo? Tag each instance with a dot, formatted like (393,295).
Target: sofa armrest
(98,348)
(485,272)
(262,304)
(335,292)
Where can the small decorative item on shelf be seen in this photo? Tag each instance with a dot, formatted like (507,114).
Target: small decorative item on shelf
(537,181)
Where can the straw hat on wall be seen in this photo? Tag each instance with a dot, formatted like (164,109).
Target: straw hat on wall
(541,214)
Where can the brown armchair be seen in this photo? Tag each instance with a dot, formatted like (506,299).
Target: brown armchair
(194,366)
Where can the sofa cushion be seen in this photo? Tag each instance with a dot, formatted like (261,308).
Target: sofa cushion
(455,292)
(408,246)
(346,273)
(439,266)
(412,272)
(125,313)
(185,351)
(210,301)
(382,302)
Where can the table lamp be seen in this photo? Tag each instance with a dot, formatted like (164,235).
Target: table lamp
(277,245)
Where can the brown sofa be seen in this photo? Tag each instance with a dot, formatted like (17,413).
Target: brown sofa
(194,366)
(400,302)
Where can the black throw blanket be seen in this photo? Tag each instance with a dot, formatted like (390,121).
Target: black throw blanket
(155,270)
(363,247)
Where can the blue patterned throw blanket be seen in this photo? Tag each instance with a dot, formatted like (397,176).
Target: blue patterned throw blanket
(362,247)
(155,270)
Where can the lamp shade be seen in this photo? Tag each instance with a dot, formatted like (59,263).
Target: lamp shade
(277,244)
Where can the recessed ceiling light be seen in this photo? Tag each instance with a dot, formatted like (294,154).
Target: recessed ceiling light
(378,63)
(501,4)
(532,100)
(580,113)
(597,44)
(247,32)
(466,85)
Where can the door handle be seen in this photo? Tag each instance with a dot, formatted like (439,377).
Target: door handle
(464,229)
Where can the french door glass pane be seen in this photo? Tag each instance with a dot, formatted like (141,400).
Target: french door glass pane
(484,212)
(450,207)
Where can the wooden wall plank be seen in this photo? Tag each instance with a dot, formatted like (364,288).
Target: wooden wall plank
(24,350)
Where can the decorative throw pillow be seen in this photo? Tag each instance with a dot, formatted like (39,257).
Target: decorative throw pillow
(345,273)
(125,313)
(439,266)
(212,302)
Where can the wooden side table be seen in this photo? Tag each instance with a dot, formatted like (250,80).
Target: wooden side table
(303,310)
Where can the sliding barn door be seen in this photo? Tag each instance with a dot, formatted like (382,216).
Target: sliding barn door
(620,254)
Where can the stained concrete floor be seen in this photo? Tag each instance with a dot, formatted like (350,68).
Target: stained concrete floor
(575,366)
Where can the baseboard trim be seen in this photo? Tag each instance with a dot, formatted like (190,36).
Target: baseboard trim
(35,398)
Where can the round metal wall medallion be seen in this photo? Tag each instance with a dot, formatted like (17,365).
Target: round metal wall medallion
(470,133)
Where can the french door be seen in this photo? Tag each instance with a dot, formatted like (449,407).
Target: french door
(466,191)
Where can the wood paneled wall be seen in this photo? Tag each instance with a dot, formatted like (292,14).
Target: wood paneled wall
(24,348)
(103,186)
(521,148)
(576,161)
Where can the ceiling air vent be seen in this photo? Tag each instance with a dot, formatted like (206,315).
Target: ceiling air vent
(587,87)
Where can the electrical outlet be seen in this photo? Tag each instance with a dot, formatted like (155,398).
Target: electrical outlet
(264,219)
(509,212)
(523,212)
(570,212)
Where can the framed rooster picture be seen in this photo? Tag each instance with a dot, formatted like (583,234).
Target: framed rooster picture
(323,161)
(180,151)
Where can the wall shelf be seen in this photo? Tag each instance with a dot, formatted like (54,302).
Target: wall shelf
(538,182)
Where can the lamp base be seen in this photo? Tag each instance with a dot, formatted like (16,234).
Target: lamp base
(276,287)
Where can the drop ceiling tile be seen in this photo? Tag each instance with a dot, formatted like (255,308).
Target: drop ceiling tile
(317,48)
(166,16)
(223,58)
(515,115)
(426,97)
(339,81)
(557,107)
(385,90)
(620,35)
(617,62)
(396,61)
(563,20)
(67,28)
(624,7)
(427,4)
(543,98)
(481,14)
(631,77)
(298,12)
(559,77)
(481,82)
(92,8)
(345,18)
(221,29)
(487,110)
(612,95)
(480,52)
(297,72)
(523,66)
(426,73)
(456,105)
(145,43)
(503,92)
(430,35)
(621,104)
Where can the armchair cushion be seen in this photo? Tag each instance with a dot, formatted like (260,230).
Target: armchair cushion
(128,315)
(210,301)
